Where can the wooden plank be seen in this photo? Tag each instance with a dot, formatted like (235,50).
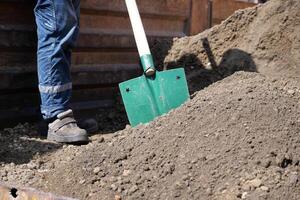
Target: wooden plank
(199,16)
(105,57)
(32,98)
(15,39)
(122,23)
(17,79)
(19,100)
(24,106)
(12,116)
(23,11)
(16,13)
(157,7)
(105,74)
(83,75)
(18,58)
(119,39)
(95,39)
(100,23)
(110,56)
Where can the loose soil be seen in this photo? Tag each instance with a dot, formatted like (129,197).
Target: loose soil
(263,39)
(237,138)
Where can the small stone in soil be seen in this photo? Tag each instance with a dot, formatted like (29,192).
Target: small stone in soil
(126,172)
(100,140)
(244,195)
(96,170)
(133,189)
(293,178)
(114,187)
(255,183)
(264,188)
(209,191)
(292,92)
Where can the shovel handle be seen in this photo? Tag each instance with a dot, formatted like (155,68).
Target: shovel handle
(140,37)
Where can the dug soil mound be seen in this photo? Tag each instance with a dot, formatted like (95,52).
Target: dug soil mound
(238,138)
(265,39)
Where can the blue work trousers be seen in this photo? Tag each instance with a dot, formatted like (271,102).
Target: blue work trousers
(57,29)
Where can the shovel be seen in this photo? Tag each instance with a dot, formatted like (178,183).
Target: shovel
(154,93)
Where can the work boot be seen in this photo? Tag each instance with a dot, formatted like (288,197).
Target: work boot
(90,125)
(65,130)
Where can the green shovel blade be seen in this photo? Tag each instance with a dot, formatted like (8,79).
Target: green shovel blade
(146,98)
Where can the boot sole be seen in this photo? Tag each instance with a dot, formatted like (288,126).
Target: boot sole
(65,139)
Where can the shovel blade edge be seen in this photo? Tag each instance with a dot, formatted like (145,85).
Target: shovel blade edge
(146,98)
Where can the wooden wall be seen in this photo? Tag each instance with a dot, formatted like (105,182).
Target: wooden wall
(200,16)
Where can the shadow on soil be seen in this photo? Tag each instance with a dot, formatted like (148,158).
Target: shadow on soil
(200,76)
(20,144)
(18,148)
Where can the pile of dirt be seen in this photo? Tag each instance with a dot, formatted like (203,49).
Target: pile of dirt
(265,39)
(239,138)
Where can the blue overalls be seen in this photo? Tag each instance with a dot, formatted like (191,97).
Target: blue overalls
(58,28)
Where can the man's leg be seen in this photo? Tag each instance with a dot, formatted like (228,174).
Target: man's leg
(58,28)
